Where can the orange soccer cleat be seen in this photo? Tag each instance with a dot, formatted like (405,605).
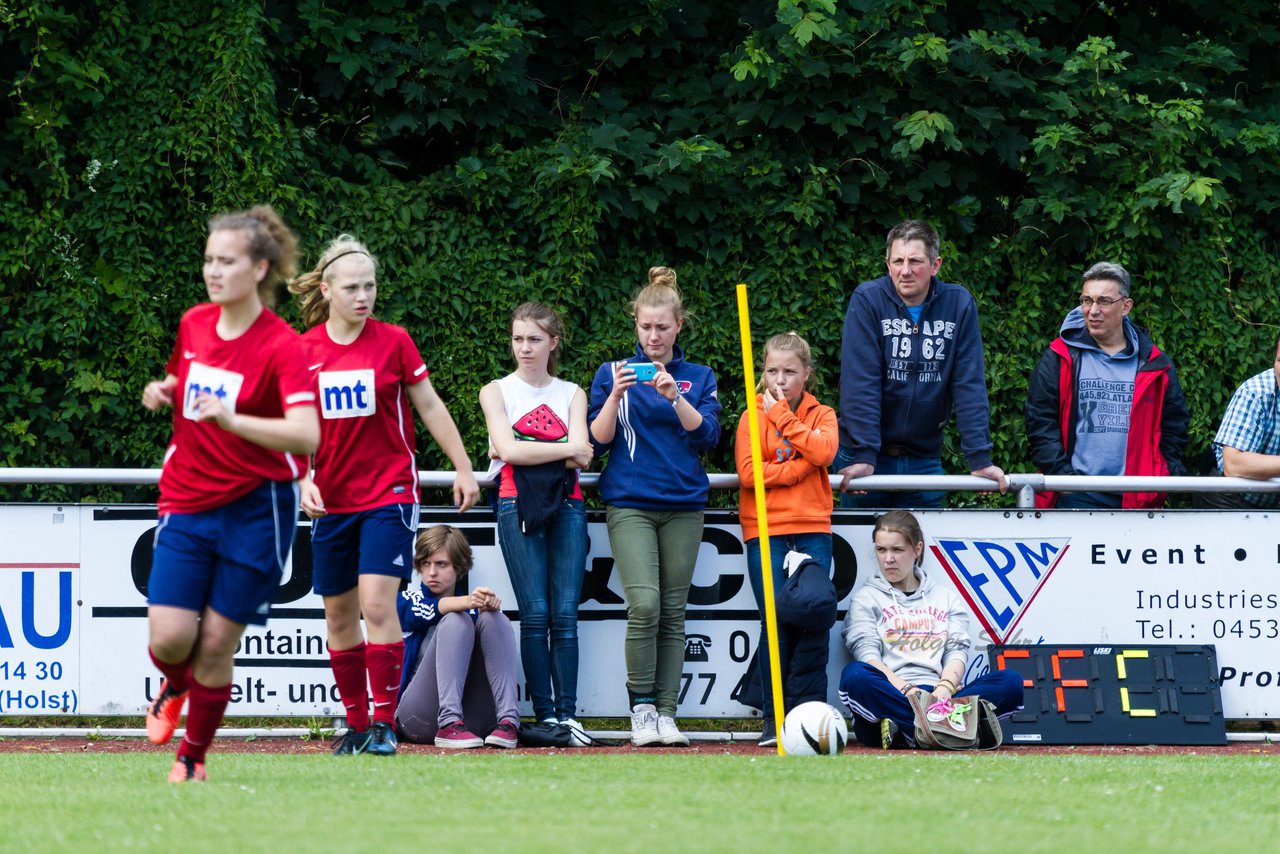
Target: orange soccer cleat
(187,770)
(163,715)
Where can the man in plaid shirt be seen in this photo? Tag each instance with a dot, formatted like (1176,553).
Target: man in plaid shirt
(1248,442)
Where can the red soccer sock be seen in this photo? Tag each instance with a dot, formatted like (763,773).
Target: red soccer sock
(178,673)
(205,708)
(349,673)
(384,661)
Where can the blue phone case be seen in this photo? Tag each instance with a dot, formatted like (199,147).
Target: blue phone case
(645,371)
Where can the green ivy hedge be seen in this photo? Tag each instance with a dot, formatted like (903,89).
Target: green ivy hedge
(493,152)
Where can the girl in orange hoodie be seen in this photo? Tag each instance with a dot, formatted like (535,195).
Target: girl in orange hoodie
(798,438)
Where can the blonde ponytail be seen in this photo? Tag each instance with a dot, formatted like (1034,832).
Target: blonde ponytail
(311,302)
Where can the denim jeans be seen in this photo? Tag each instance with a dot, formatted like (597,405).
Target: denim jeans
(546,568)
(886,464)
(816,546)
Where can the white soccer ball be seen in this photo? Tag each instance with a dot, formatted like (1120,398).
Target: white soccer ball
(814,729)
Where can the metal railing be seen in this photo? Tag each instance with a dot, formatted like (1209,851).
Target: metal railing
(1023,486)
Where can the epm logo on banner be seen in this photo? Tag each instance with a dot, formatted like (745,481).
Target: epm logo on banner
(1000,578)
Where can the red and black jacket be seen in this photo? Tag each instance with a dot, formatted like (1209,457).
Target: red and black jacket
(1158,418)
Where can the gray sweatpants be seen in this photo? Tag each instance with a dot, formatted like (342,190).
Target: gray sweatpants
(459,678)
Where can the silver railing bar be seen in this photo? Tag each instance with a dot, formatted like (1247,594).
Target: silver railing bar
(1023,486)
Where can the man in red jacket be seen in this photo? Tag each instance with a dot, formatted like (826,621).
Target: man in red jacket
(1104,400)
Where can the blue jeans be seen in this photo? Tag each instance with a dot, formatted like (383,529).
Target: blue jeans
(546,568)
(816,546)
(886,464)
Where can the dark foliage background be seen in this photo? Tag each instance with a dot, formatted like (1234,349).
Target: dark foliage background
(492,152)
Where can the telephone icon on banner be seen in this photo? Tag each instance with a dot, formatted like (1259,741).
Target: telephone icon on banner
(695,648)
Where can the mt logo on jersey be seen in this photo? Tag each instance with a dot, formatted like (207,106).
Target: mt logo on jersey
(540,425)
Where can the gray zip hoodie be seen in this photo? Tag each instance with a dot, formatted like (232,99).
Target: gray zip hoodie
(1104,397)
(913,634)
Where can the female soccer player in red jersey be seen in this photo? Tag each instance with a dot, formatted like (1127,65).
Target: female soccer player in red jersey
(244,420)
(364,497)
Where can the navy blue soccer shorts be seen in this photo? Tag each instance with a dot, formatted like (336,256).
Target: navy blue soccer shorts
(230,558)
(345,546)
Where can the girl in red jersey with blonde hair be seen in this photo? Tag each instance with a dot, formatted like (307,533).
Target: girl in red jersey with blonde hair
(364,497)
(244,420)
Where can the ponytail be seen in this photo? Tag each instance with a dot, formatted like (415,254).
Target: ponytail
(269,239)
(311,301)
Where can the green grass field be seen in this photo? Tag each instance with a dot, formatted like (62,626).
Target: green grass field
(619,803)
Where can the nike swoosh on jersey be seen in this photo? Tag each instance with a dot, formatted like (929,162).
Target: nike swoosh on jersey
(316,366)
(188,354)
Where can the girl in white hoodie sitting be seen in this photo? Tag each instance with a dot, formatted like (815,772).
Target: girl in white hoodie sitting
(908,633)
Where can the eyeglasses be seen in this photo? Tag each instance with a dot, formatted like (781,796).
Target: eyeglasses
(1101,302)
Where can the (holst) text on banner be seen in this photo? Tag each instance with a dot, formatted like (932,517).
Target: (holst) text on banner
(73,607)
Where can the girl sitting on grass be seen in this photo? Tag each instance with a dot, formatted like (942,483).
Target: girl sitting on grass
(909,633)
(459,676)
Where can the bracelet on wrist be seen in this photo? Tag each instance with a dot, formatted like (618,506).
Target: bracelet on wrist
(676,402)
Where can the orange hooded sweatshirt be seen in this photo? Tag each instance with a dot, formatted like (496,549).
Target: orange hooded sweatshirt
(796,448)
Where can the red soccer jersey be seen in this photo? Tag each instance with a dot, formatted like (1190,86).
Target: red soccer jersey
(263,373)
(366,456)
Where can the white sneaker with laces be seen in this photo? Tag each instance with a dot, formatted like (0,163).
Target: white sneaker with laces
(644,725)
(580,737)
(670,733)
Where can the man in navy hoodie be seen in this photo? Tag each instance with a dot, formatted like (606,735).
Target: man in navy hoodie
(1105,400)
(911,353)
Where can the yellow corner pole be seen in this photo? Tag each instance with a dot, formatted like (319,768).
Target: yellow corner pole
(757,468)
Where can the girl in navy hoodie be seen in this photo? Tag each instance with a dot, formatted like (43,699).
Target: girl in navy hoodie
(655,488)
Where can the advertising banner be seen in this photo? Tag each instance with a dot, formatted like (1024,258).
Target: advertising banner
(73,629)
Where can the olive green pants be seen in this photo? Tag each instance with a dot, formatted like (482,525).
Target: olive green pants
(655,552)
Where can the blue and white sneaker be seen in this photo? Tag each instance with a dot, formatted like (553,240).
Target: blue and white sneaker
(382,739)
